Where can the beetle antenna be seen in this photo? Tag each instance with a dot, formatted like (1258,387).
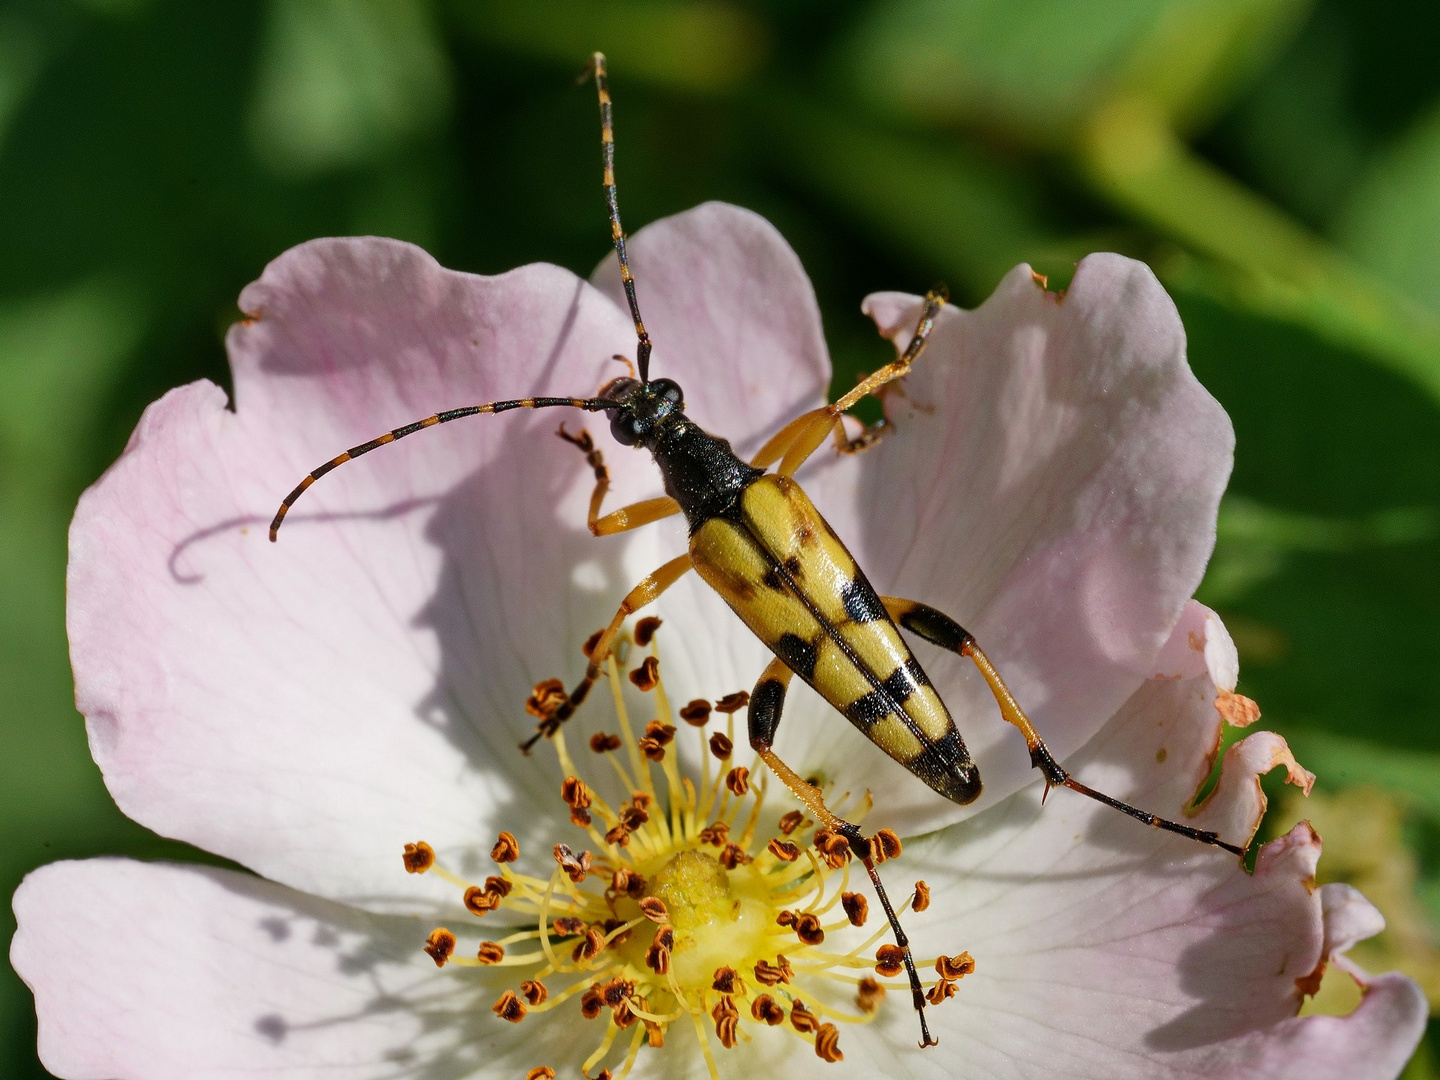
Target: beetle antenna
(607,146)
(588,404)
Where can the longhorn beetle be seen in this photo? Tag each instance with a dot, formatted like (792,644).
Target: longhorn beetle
(757,540)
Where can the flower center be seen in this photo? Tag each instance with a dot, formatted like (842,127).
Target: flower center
(678,910)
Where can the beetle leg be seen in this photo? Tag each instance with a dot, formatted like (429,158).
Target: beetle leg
(627,517)
(766,703)
(800,438)
(642,594)
(939,629)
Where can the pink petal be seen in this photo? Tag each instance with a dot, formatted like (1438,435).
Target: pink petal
(1052,485)
(733,318)
(146,971)
(1122,951)
(308,708)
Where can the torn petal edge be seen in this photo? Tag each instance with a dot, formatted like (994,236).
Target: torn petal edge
(1244,764)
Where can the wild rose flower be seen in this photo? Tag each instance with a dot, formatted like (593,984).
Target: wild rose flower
(310,709)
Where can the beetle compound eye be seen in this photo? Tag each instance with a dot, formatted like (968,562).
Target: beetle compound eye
(627,429)
(668,391)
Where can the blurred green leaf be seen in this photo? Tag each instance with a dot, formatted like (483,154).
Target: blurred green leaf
(1392,221)
(1200,53)
(706,45)
(59,356)
(1350,762)
(343,82)
(1032,66)
(969,217)
(1254,541)
(1261,257)
(22,53)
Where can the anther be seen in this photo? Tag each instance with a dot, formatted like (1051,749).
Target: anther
(697,713)
(645,629)
(418,857)
(886,845)
(807,928)
(616,992)
(546,699)
(856,907)
(439,945)
(834,849)
(738,780)
(921,900)
(955,967)
(765,1009)
(721,746)
(591,946)
(589,647)
(768,974)
(602,743)
(506,849)
(727,1022)
(868,995)
(791,821)
(827,1043)
(943,990)
(785,917)
(653,908)
(543,1072)
(715,834)
(618,834)
(647,675)
(802,1019)
(657,957)
(569,926)
(575,793)
(652,750)
(733,856)
(732,703)
(661,733)
(784,850)
(490,952)
(632,817)
(727,981)
(509,1007)
(591,1003)
(534,991)
(498,885)
(575,866)
(627,881)
(480,901)
(889,960)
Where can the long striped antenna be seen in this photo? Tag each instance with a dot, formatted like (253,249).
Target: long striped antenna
(607,147)
(588,404)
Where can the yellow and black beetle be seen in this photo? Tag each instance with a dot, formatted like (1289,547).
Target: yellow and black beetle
(756,538)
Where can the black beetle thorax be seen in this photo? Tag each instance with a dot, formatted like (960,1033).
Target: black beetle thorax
(701,472)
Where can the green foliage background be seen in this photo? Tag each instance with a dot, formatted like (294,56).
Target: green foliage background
(1276,161)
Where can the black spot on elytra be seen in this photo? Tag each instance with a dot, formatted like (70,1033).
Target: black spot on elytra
(947,768)
(798,654)
(773,580)
(900,684)
(868,709)
(792,567)
(861,603)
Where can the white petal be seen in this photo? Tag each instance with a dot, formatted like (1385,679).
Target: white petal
(308,708)
(1052,485)
(147,971)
